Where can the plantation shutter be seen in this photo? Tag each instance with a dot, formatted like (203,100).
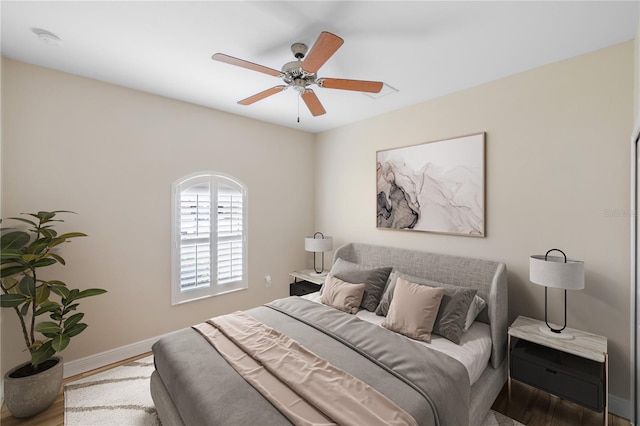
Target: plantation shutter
(195,237)
(230,234)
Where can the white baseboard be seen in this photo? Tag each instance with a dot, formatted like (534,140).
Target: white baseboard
(102,359)
(619,406)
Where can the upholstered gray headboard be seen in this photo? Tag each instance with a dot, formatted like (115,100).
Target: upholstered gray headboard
(490,278)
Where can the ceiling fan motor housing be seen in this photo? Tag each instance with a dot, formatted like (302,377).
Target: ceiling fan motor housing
(296,76)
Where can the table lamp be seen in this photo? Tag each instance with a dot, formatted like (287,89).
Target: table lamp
(318,243)
(556,272)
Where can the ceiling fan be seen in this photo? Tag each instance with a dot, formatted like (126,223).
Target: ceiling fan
(302,73)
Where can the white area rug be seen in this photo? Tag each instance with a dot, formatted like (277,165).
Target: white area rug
(121,397)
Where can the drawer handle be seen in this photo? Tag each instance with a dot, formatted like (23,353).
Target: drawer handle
(551,371)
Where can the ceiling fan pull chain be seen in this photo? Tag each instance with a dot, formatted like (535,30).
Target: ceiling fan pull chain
(299,95)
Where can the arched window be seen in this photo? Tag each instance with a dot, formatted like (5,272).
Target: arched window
(209,236)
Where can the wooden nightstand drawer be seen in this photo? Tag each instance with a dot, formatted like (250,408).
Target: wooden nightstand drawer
(565,375)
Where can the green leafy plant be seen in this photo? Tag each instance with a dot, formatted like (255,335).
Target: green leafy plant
(23,254)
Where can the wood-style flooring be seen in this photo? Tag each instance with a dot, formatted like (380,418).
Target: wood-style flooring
(534,407)
(528,405)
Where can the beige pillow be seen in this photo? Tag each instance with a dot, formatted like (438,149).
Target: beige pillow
(342,295)
(413,309)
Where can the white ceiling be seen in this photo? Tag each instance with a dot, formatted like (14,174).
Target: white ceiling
(425,49)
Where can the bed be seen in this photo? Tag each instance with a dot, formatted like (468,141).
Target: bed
(194,385)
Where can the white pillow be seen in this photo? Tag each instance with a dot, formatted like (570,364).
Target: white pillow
(477,305)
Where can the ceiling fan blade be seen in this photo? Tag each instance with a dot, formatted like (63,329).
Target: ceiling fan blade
(356,85)
(260,96)
(326,45)
(245,64)
(313,103)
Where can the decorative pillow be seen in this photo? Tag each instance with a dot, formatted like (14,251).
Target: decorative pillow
(375,280)
(453,308)
(453,312)
(413,310)
(341,295)
(385,301)
(477,305)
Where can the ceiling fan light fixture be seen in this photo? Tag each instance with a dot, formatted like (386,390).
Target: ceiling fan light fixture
(299,85)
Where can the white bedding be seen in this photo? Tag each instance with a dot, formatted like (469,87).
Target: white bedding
(473,351)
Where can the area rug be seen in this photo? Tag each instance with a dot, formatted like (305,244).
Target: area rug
(121,396)
(496,419)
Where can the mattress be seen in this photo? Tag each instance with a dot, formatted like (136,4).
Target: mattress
(473,351)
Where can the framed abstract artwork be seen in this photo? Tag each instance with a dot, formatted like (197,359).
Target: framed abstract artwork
(433,187)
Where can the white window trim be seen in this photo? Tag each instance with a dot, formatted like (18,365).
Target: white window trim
(177,295)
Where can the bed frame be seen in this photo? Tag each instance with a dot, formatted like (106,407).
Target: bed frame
(489,277)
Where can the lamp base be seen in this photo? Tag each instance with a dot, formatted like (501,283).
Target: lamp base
(547,332)
(318,274)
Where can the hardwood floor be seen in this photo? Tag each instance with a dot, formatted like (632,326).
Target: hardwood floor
(528,405)
(534,407)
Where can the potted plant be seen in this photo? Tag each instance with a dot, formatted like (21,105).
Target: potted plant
(33,386)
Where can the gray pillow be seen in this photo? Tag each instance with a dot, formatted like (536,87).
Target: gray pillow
(374,280)
(453,311)
(453,308)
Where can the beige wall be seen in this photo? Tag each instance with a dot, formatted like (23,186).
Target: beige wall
(111,154)
(636,73)
(557,175)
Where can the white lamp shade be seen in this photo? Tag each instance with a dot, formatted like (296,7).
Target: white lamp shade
(318,245)
(554,272)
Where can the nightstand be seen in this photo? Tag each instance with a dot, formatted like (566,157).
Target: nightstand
(576,370)
(304,282)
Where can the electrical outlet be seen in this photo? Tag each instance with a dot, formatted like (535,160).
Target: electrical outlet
(267,281)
